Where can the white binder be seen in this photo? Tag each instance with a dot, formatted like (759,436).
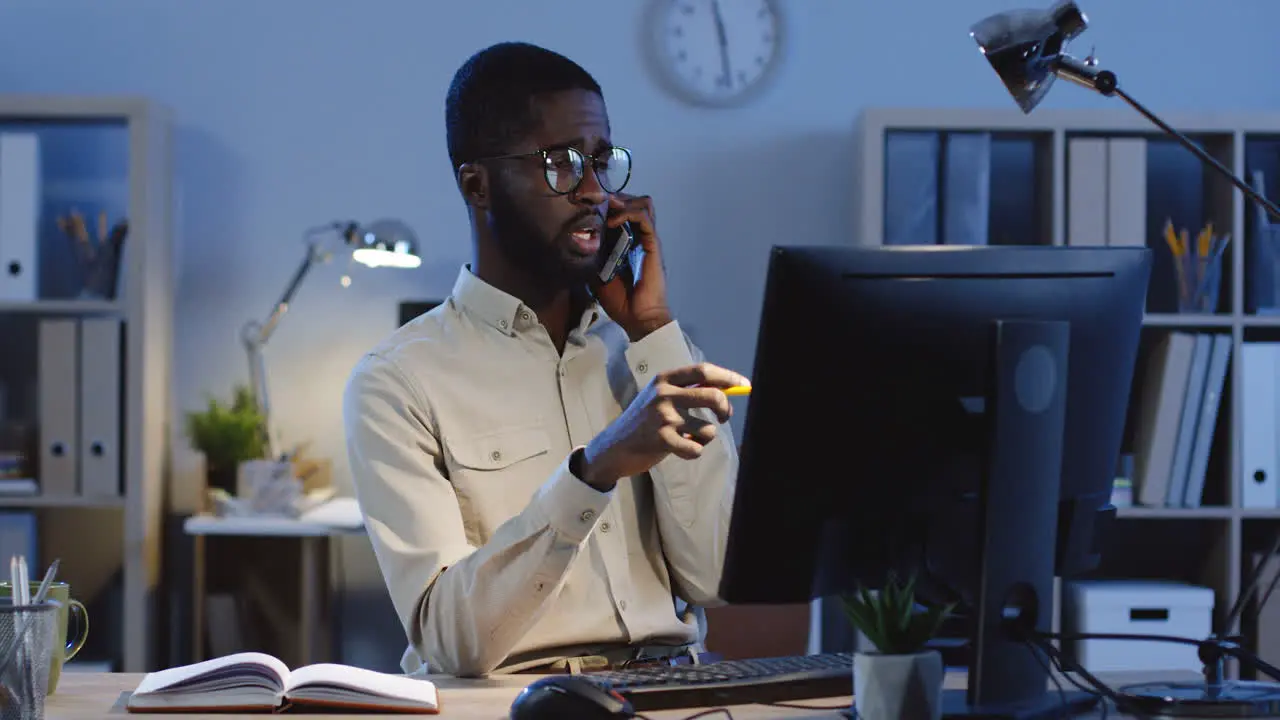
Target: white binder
(57,385)
(19,215)
(1087,191)
(100,409)
(1127,191)
(1259,363)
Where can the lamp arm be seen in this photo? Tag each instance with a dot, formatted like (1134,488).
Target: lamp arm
(254,335)
(1105,83)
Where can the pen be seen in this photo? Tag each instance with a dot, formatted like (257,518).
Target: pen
(1179,250)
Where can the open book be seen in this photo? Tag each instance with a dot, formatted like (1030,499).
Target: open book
(253,681)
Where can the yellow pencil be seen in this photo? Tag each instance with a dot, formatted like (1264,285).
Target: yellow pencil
(738,390)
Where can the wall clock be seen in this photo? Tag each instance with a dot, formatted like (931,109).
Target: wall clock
(715,53)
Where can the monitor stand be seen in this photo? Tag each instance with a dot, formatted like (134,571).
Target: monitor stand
(1025,413)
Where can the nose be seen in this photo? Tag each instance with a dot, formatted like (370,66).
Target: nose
(589,190)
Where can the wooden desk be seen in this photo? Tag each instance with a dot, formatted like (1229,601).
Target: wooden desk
(92,696)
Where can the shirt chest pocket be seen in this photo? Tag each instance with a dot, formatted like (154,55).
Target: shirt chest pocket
(501,450)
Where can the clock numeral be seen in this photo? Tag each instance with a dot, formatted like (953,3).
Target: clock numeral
(742,77)
(682,56)
(677,31)
(760,60)
(687,9)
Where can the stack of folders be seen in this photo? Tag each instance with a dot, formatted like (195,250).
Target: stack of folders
(1181,395)
(81,413)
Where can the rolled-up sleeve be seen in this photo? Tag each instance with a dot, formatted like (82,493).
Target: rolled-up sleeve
(463,608)
(694,497)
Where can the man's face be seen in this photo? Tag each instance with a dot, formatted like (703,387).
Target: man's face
(556,238)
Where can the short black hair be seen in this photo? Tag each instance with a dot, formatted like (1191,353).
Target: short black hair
(490,101)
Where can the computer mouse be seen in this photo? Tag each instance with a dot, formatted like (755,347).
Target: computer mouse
(557,697)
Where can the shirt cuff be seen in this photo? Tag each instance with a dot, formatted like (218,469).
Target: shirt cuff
(661,350)
(572,507)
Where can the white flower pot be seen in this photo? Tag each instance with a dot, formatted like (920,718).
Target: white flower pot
(898,687)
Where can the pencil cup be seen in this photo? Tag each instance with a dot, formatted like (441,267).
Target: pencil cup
(1198,285)
(26,655)
(71,616)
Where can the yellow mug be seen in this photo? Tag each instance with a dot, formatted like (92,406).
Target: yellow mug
(63,649)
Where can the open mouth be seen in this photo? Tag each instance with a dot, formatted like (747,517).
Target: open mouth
(585,241)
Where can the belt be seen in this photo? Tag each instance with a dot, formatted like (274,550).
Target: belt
(602,663)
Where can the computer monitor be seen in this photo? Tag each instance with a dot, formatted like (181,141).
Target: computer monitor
(952,412)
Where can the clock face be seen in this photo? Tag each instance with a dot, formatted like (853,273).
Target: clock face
(717,52)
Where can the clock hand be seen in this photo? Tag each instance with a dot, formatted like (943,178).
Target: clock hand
(724,43)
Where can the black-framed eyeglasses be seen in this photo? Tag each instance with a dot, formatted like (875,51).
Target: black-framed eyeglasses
(565,167)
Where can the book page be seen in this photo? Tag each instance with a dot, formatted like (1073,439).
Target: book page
(354,682)
(232,670)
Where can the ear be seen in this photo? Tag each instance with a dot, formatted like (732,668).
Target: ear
(473,182)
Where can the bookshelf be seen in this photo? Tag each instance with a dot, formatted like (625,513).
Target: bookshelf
(113,154)
(1031,158)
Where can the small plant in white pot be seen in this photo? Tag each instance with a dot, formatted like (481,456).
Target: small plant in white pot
(902,678)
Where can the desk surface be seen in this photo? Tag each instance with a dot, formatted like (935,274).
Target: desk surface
(82,696)
(340,516)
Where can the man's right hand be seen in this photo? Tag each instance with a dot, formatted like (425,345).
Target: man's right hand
(657,423)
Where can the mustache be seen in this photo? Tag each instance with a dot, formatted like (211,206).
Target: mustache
(573,221)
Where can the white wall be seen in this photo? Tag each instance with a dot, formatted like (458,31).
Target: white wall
(293,112)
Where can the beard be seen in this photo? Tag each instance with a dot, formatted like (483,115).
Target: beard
(527,247)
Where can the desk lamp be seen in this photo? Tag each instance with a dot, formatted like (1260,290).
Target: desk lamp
(382,243)
(1027,49)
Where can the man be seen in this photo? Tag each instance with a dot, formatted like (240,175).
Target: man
(542,462)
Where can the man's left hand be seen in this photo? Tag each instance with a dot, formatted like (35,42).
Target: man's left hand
(639,308)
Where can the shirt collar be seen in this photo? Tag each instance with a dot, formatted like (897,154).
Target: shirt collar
(501,310)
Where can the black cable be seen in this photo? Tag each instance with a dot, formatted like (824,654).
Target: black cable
(1057,665)
(1062,693)
(1226,647)
(1255,577)
(802,706)
(699,714)
(1122,704)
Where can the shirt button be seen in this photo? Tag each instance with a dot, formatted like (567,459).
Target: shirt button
(524,316)
(495,456)
(604,527)
(502,324)
(563,372)
(588,515)
(537,587)
(622,605)
(642,368)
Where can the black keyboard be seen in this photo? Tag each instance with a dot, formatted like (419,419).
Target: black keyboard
(732,682)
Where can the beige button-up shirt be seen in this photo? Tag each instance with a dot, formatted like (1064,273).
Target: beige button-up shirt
(459,429)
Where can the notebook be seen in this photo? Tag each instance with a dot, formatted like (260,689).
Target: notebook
(252,681)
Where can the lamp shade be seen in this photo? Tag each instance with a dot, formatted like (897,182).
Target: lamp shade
(1024,47)
(384,243)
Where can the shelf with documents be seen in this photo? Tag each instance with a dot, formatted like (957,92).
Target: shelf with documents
(1108,177)
(85,379)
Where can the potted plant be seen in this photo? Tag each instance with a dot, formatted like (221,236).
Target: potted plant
(902,678)
(227,435)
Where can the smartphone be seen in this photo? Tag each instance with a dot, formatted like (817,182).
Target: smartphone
(620,243)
